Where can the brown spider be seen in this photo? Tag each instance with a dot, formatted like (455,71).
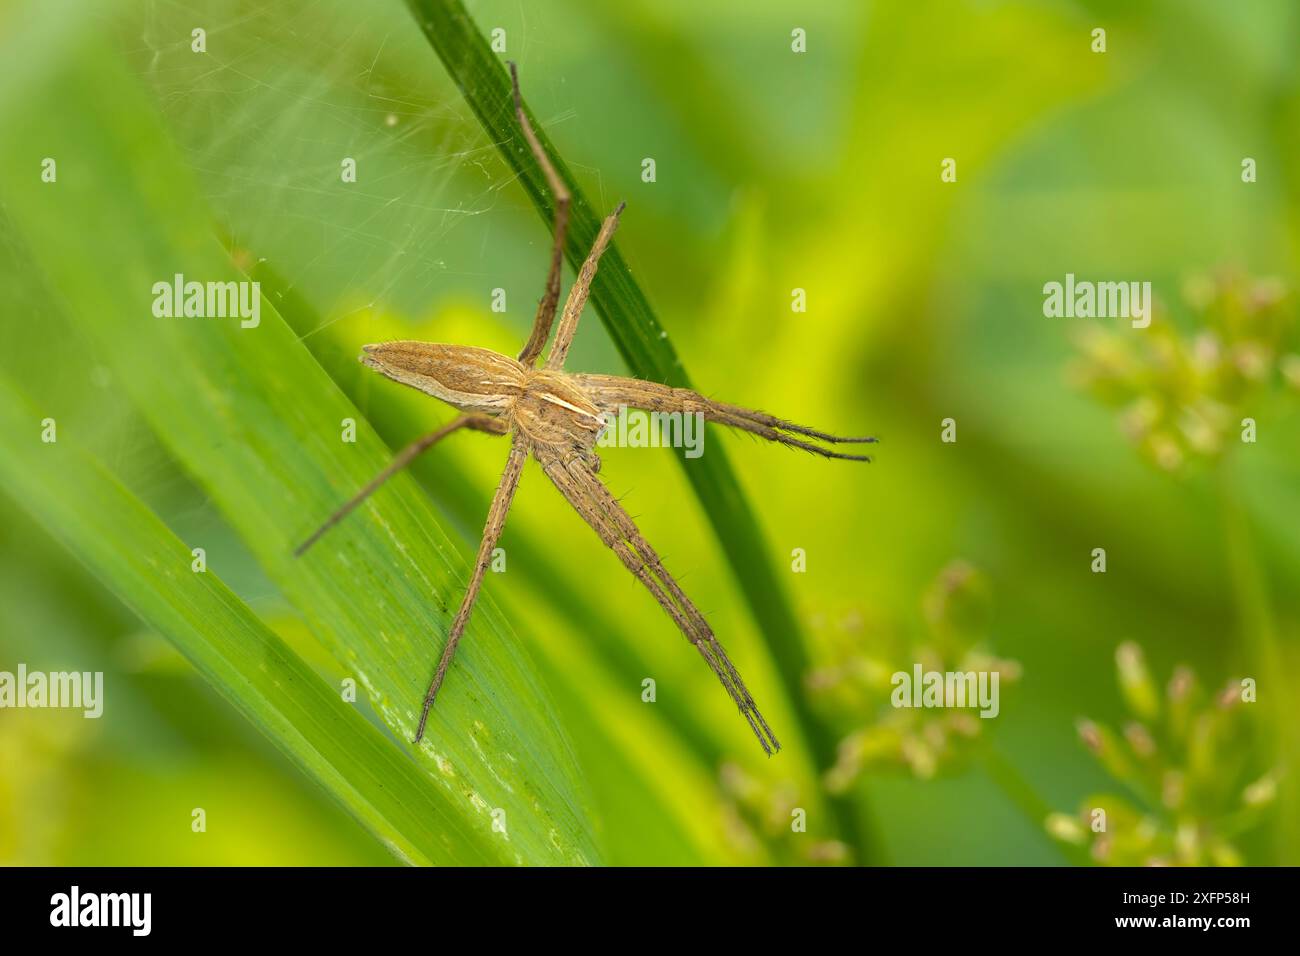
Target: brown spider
(557,417)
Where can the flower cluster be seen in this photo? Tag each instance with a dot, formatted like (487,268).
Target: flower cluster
(860,682)
(1185,398)
(1186,759)
(765,813)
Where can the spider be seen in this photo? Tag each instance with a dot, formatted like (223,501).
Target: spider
(557,416)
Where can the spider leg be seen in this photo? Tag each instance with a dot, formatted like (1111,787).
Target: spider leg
(496,521)
(600,509)
(610,392)
(551,297)
(477,422)
(577,298)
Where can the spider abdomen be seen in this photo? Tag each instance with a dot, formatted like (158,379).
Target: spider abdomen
(470,378)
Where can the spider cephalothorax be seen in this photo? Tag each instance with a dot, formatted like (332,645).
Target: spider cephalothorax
(556,417)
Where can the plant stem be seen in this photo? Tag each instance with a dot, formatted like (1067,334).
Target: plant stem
(1259,633)
(1035,809)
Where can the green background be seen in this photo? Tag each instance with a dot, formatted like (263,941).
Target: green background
(775,170)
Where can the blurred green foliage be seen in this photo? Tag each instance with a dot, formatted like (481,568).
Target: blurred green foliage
(775,171)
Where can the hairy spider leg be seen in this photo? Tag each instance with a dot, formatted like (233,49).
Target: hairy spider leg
(574,478)
(551,297)
(496,521)
(476,422)
(611,392)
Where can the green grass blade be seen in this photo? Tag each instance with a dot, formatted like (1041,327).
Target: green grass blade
(256,421)
(149,568)
(644,346)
